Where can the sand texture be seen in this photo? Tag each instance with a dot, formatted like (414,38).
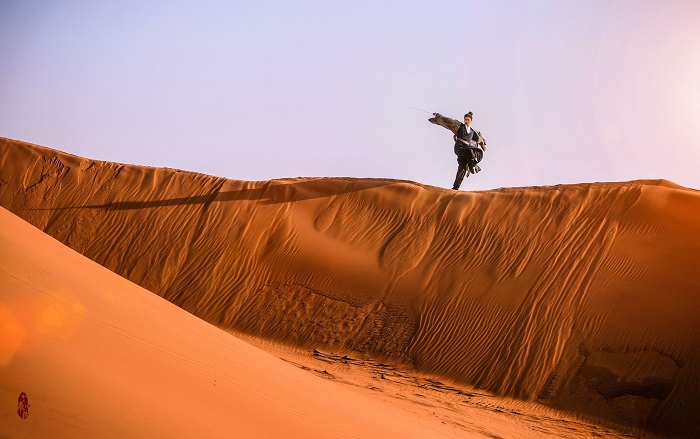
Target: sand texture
(581,297)
(99,356)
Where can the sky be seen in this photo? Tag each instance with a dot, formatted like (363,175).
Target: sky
(563,91)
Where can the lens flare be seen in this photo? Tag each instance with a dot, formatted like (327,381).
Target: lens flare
(59,314)
(12,334)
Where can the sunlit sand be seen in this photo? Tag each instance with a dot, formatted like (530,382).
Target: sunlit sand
(338,307)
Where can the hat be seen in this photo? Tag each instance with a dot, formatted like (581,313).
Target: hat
(469,115)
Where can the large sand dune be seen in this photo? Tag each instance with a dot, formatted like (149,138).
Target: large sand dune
(101,357)
(583,297)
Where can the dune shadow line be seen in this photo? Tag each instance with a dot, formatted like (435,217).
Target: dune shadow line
(268,193)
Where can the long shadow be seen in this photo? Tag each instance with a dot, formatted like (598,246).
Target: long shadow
(268,193)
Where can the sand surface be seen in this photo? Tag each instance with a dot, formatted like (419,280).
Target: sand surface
(582,298)
(98,356)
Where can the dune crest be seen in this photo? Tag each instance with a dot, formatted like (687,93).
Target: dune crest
(582,297)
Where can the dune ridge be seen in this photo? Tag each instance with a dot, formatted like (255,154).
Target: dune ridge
(582,297)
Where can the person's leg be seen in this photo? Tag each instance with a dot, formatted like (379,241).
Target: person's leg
(461,172)
(471,162)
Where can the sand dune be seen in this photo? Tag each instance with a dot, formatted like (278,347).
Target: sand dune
(98,356)
(581,297)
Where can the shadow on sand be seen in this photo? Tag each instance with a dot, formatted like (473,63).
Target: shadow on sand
(269,192)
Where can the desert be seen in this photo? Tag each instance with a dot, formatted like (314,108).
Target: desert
(166,303)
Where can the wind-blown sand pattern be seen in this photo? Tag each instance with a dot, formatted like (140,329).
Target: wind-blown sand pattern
(580,297)
(101,357)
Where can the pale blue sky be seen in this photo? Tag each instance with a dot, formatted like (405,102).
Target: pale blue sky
(563,91)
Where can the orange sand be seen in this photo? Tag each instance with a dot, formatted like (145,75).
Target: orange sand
(99,356)
(583,297)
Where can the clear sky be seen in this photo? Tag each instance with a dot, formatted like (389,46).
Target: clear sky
(563,91)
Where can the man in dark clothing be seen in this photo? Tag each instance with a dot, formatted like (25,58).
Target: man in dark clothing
(467,143)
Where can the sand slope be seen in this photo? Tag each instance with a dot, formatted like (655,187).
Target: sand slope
(583,297)
(98,356)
